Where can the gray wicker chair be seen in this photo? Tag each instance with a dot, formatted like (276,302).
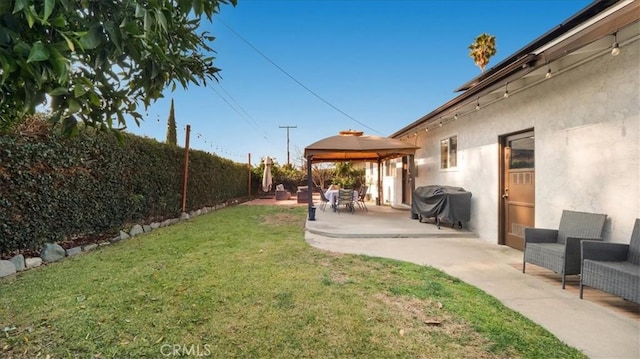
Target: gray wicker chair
(559,249)
(613,267)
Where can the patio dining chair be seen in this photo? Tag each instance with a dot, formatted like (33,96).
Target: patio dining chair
(361,197)
(345,196)
(559,249)
(323,199)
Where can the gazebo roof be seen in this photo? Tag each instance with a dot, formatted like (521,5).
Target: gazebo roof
(354,146)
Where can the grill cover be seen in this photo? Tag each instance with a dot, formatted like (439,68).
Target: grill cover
(452,204)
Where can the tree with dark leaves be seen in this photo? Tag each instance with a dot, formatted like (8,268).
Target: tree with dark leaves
(96,61)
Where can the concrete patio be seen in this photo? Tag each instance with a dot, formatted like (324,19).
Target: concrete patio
(601,325)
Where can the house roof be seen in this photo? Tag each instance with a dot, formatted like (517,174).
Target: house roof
(585,35)
(355,146)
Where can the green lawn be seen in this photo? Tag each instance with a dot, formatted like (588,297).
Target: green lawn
(242,282)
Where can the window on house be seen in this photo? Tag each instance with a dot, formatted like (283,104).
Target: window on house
(449,152)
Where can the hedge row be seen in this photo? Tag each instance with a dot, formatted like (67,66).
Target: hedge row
(54,188)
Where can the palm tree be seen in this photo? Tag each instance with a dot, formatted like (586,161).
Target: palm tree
(482,49)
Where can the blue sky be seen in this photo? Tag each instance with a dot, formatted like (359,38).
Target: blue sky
(376,65)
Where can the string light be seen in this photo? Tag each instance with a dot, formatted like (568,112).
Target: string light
(548,74)
(615,49)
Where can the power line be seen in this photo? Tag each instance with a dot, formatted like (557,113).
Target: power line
(241,108)
(227,102)
(247,114)
(255,123)
(295,80)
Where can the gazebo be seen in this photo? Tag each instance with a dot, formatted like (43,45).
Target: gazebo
(355,146)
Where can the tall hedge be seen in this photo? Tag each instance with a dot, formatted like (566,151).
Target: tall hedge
(54,188)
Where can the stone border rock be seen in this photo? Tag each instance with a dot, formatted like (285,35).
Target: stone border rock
(53,252)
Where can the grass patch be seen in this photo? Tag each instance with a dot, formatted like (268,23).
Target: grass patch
(242,282)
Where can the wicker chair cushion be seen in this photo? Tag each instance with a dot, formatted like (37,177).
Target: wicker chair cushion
(618,278)
(548,255)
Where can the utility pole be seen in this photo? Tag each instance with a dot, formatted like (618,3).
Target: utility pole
(288,127)
(185,172)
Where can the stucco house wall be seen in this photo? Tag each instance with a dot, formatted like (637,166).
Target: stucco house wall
(587,147)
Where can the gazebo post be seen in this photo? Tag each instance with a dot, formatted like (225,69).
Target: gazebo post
(310,207)
(379,186)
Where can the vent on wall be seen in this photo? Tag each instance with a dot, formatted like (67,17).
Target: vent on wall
(517,230)
(521,178)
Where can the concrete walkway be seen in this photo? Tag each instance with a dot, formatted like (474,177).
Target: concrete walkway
(592,328)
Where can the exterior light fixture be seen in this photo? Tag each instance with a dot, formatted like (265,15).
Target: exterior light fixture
(455,116)
(506,91)
(478,104)
(548,74)
(615,48)
(426,129)
(440,124)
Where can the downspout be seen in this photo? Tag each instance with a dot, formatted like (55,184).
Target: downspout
(379,198)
